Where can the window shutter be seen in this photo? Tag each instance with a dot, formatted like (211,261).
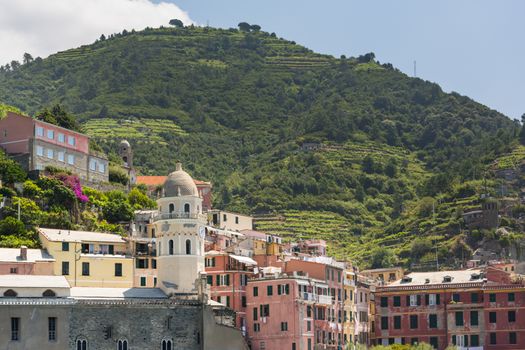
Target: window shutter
(453,340)
(279,289)
(437,299)
(408,300)
(287,289)
(218,280)
(427,299)
(419,300)
(227,280)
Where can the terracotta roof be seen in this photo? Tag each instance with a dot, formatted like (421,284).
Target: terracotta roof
(159,180)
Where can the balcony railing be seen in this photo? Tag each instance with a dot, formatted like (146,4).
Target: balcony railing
(171,216)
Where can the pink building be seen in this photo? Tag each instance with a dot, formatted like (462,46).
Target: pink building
(228,276)
(36,144)
(24,261)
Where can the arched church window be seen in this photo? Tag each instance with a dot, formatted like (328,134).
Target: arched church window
(49,293)
(187,208)
(82,344)
(10,293)
(122,344)
(188,246)
(167,344)
(172,208)
(171,247)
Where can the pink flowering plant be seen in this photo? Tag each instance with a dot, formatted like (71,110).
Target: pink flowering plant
(73,183)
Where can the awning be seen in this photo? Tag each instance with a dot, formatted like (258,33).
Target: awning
(244,259)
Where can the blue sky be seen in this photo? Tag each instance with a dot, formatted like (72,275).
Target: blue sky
(474,47)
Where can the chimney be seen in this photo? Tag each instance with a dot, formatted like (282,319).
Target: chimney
(23,253)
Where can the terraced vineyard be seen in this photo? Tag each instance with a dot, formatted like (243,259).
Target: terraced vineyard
(136,129)
(512,160)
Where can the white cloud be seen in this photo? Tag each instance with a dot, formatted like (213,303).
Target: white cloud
(43,27)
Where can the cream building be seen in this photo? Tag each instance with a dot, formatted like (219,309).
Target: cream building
(180,232)
(89,259)
(230,221)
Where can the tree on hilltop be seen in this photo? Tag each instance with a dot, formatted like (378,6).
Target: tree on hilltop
(255,27)
(244,27)
(522,132)
(176,23)
(27,58)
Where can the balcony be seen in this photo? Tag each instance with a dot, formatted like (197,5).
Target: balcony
(174,216)
(308,296)
(324,299)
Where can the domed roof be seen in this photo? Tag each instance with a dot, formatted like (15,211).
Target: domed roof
(124,143)
(179,183)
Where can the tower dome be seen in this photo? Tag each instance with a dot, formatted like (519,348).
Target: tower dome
(180,183)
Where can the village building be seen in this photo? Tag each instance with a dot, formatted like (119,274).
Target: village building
(230,221)
(89,259)
(24,261)
(36,144)
(384,275)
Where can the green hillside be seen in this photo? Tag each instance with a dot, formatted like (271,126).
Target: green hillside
(237,108)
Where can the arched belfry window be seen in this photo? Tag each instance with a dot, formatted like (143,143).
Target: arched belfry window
(122,344)
(167,344)
(188,246)
(10,293)
(82,344)
(187,208)
(172,208)
(171,247)
(49,293)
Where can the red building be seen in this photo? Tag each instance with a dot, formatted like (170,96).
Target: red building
(228,276)
(36,144)
(474,309)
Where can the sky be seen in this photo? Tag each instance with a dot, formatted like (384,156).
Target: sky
(473,47)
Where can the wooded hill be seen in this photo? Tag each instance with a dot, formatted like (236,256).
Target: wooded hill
(315,146)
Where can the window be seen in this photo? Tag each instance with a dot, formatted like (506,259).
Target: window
(456,298)
(122,344)
(474,298)
(308,326)
(81,344)
(397,301)
(432,321)
(414,341)
(224,217)
(284,326)
(512,316)
(167,344)
(493,338)
(384,322)
(492,297)
(188,247)
(269,290)
(474,318)
(15,328)
(92,164)
(118,269)
(85,269)
(60,156)
(65,246)
(50,153)
(52,328)
(71,140)
(143,281)
(474,340)
(61,138)
(50,134)
(413,322)
(39,131)
(384,301)
(170,244)
(511,297)
(255,318)
(10,293)
(171,207)
(243,301)
(13,270)
(40,151)
(256,327)
(141,263)
(434,342)
(48,293)
(101,167)
(236,219)
(70,159)
(513,339)
(186,208)
(415,300)
(492,317)
(255,291)
(397,322)
(459,318)
(265,310)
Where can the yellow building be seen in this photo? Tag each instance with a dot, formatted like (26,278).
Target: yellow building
(89,259)
(385,275)
(350,309)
